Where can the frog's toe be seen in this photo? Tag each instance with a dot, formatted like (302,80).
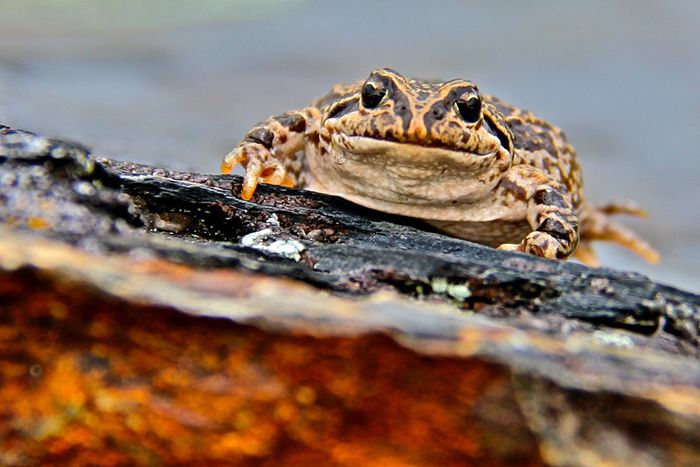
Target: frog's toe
(630,209)
(512,247)
(231,160)
(536,243)
(228,164)
(251,178)
(275,175)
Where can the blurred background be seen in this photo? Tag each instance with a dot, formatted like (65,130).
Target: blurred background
(178,82)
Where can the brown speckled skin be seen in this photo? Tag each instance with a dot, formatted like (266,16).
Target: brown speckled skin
(498,175)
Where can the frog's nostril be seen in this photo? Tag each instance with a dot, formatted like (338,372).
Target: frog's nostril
(437,113)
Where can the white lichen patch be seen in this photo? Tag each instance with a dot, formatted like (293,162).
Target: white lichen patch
(262,241)
(254,239)
(290,249)
(273,220)
(615,339)
(459,291)
(439,285)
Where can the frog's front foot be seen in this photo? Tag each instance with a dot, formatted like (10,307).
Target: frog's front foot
(537,243)
(260,165)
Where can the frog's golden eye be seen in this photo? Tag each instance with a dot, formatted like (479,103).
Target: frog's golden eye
(373,93)
(469,109)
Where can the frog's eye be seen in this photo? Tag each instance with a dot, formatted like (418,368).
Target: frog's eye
(373,93)
(469,109)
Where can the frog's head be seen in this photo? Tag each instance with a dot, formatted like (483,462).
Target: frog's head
(426,142)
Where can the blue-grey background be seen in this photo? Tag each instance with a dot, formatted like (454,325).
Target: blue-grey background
(178,82)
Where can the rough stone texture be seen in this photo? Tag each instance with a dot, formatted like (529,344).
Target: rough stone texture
(150,316)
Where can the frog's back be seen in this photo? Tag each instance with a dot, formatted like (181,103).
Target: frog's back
(542,145)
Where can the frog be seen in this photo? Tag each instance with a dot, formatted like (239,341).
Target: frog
(468,164)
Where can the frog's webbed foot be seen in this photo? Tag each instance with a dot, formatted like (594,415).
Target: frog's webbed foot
(259,164)
(540,244)
(268,151)
(555,224)
(597,225)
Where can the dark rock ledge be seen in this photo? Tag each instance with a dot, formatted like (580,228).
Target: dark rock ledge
(152,316)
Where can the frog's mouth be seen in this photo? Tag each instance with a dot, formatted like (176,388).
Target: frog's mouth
(428,158)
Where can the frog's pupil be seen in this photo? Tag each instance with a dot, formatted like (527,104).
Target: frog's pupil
(470,109)
(371,95)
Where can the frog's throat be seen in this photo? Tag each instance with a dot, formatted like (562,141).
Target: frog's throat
(407,179)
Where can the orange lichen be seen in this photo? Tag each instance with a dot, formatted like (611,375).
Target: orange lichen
(37,223)
(104,383)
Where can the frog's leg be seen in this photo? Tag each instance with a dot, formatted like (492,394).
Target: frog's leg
(597,225)
(585,253)
(268,150)
(549,213)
